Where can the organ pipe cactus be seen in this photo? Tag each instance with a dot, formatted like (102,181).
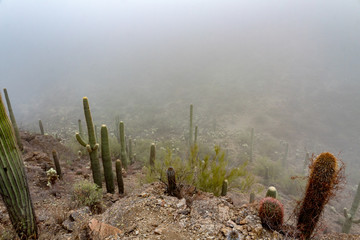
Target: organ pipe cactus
(57,163)
(119,177)
(91,146)
(41,127)
(14,188)
(123,155)
(349,215)
(323,178)
(13,121)
(106,159)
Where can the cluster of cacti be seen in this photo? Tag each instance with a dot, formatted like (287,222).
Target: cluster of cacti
(119,177)
(271,213)
(349,215)
(171,181)
(13,121)
(252,145)
(92,146)
(57,163)
(271,192)
(41,127)
(323,177)
(152,157)
(123,155)
(13,182)
(106,159)
(224,188)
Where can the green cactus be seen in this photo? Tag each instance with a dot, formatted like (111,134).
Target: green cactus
(117,129)
(319,189)
(191,127)
(80,129)
(57,163)
(224,188)
(172,188)
(106,159)
(271,192)
(152,157)
(252,145)
(349,215)
(13,121)
(123,155)
(14,188)
(41,127)
(131,155)
(196,133)
(92,146)
(119,177)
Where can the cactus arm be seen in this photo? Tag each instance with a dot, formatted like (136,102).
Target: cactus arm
(88,148)
(96,147)
(80,140)
(346,213)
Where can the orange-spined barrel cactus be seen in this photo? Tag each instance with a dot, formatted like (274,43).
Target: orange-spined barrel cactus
(271,213)
(322,179)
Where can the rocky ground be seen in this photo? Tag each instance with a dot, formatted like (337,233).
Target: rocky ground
(144,211)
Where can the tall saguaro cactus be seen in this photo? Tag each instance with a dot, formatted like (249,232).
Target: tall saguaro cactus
(191,126)
(14,188)
(106,159)
(13,121)
(91,146)
(349,215)
(123,155)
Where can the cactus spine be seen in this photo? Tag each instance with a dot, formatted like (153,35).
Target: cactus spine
(92,146)
(13,121)
(224,188)
(152,157)
(57,163)
(323,176)
(14,188)
(106,159)
(119,177)
(349,215)
(191,126)
(41,127)
(124,158)
(252,145)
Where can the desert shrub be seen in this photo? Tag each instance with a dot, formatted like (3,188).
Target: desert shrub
(86,193)
(207,174)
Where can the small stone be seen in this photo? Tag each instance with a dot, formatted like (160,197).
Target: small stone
(243,222)
(80,214)
(143,194)
(158,231)
(102,230)
(181,203)
(68,225)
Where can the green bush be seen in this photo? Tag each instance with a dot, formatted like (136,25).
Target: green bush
(86,193)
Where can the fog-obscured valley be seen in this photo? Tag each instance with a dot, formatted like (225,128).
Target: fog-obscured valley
(288,69)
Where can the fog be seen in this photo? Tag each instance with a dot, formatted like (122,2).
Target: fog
(288,68)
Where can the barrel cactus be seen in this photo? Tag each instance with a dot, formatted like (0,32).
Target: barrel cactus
(271,213)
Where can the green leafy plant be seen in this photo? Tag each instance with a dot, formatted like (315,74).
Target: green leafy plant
(86,193)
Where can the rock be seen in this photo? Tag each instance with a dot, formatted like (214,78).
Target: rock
(182,203)
(68,225)
(158,231)
(102,230)
(80,214)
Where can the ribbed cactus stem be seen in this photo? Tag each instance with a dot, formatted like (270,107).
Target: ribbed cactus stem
(252,145)
(196,134)
(349,215)
(106,159)
(57,163)
(191,126)
(224,188)
(13,120)
(119,177)
(271,192)
(123,156)
(130,151)
(152,157)
(41,127)
(14,188)
(91,146)
(171,181)
(80,128)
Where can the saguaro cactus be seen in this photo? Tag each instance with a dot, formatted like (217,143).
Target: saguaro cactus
(152,157)
(57,163)
(41,127)
(119,177)
(92,146)
(106,159)
(13,121)
(123,155)
(191,126)
(14,188)
(323,176)
(80,128)
(252,145)
(349,215)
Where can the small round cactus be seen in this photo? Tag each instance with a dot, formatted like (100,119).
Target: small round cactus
(271,192)
(271,213)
